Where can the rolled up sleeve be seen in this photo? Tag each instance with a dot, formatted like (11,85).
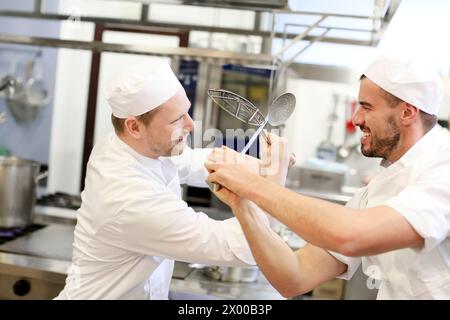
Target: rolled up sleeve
(351,262)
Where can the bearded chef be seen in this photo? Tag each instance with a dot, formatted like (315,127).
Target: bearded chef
(132,223)
(397,227)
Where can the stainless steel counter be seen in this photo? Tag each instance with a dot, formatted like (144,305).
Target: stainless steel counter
(197,286)
(35,265)
(339,198)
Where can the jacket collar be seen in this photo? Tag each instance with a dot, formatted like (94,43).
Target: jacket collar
(146,161)
(426,145)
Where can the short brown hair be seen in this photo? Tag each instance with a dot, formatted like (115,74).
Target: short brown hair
(119,123)
(428,120)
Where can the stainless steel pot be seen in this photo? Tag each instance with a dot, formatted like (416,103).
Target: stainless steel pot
(18,180)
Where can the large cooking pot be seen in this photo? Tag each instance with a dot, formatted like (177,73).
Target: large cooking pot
(18,180)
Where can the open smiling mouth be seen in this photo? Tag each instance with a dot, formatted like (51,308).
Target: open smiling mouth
(365,137)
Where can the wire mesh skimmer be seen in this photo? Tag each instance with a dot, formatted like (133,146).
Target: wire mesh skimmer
(237,106)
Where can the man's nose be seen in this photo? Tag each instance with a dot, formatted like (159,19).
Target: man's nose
(189,125)
(357,118)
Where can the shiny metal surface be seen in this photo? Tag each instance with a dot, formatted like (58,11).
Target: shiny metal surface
(279,111)
(238,31)
(17,191)
(35,266)
(237,106)
(208,54)
(321,180)
(51,270)
(43,258)
(239,4)
(53,242)
(339,198)
(198,287)
(230,274)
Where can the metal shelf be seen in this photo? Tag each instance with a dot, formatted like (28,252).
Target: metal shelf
(97,46)
(379,22)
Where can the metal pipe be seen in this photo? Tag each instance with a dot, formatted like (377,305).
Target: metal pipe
(337,15)
(301,36)
(144,12)
(287,63)
(282,70)
(98,46)
(50,16)
(332,27)
(37,52)
(37,6)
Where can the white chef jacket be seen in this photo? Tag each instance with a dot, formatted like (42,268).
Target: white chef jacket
(132,224)
(418,187)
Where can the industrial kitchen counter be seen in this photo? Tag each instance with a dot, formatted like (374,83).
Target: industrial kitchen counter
(35,265)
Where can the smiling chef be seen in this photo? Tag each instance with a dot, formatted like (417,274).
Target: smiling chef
(397,227)
(132,223)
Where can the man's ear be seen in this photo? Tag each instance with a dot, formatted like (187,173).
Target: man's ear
(133,127)
(409,114)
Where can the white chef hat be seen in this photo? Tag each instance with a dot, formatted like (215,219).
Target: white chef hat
(408,80)
(141,88)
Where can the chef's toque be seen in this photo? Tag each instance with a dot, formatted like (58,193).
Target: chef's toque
(409,80)
(141,88)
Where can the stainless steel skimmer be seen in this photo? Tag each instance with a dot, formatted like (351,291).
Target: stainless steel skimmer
(237,106)
(242,109)
(279,111)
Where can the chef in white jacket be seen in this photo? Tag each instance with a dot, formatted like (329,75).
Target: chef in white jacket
(398,226)
(132,223)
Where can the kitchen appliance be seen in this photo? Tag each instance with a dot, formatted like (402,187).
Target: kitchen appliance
(188,76)
(228,274)
(9,234)
(34,263)
(321,180)
(60,200)
(18,180)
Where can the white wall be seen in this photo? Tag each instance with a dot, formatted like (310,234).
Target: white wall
(419,28)
(69,111)
(308,126)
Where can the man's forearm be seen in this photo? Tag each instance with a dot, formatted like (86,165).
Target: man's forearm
(274,257)
(319,222)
